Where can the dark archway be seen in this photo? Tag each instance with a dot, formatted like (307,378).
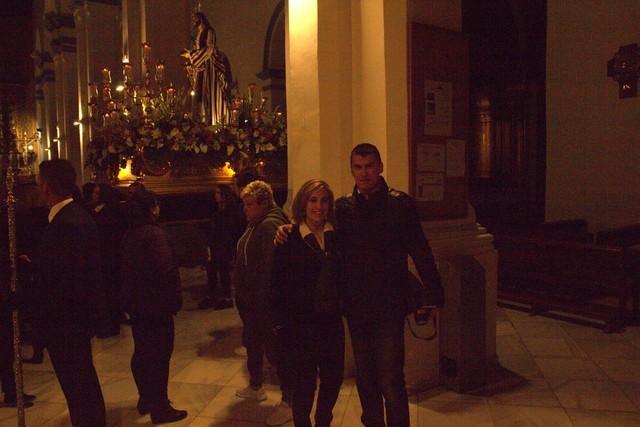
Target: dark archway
(507,61)
(273,65)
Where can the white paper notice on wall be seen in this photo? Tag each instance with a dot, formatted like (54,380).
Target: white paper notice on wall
(438,108)
(429,187)
(455,158)
(430,157)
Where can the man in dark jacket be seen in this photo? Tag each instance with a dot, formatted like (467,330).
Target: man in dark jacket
(378,227)
(67,293)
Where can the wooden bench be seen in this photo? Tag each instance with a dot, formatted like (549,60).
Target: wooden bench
(547,274)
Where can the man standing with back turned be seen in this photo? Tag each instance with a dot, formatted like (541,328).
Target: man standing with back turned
(67,293)
(378,227)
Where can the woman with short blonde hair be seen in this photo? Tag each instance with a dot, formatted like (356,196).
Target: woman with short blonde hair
(259,191)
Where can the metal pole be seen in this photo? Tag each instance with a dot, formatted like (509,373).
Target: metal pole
(17,353)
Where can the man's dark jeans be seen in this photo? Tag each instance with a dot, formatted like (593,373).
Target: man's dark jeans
(378,348)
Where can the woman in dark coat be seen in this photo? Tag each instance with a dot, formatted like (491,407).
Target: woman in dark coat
(305,303)
(152,295)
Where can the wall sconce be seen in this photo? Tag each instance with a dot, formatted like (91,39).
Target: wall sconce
(625,69)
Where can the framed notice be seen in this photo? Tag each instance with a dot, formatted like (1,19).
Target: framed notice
(429,187)
(430,158)
(438,111)
(439,121)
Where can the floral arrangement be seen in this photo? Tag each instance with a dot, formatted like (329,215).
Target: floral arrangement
(162,141)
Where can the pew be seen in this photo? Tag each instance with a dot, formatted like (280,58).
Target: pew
(561,269)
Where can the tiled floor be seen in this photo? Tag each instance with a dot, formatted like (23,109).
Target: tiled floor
(556,374)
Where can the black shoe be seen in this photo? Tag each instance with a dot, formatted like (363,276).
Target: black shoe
(143,407)
(223,303)
(205,303)
(12,401)
(167,414)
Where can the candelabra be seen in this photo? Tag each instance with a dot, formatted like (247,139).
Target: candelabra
(245,113)
(138,100)
(27,146)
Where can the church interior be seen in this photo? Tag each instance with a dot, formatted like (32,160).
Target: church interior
(525,181)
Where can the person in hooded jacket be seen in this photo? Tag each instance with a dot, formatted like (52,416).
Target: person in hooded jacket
(252,281)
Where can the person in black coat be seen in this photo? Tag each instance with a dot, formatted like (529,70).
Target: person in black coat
(305,303)
(227,225)
(67,293)
(151,294)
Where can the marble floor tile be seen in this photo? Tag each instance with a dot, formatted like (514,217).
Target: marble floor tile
(521,316)
(533,392)
(201,371)
(632,334)
(109,364)
(581,418)
(214,422)
(442,394)
(443,413)
(501,314)
(521,364)
(38,415)
(132,419)
(46,387)
(580,331)
(610,346)
(551,373)
(631,390)
(505,328)
(529,416)
(192,397)
(552,347)
(352,412)
(348,386)
(620,369)
(339,409)
(226,405)
(540,330)
(510,344)
(120,392)
(569,368)
(588,394)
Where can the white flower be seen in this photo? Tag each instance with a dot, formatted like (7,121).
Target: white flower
(230,149)
(175,133)
(204,148)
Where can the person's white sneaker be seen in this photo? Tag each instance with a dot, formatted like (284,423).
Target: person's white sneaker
(250,393)
(280,415)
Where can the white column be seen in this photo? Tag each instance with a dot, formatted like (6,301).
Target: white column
(81,16)
(318,46)
(380,99)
